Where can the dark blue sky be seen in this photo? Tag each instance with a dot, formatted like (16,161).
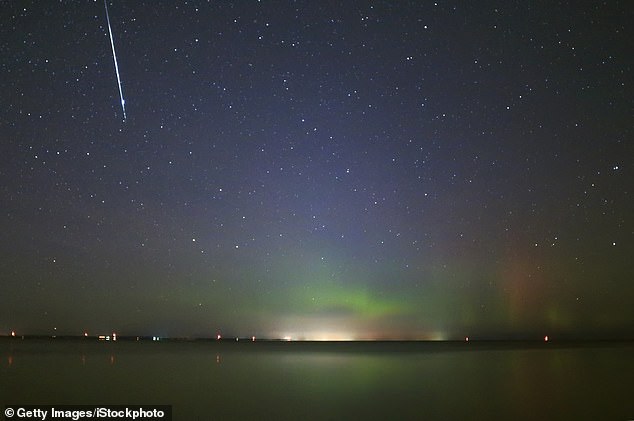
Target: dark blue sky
(315,169)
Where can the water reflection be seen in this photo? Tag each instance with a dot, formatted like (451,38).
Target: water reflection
(292,381)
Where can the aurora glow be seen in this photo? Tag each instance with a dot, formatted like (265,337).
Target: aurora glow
(426,170)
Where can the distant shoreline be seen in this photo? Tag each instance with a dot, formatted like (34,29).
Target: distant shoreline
(382,344)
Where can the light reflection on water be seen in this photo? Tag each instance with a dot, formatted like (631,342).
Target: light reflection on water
(332,381)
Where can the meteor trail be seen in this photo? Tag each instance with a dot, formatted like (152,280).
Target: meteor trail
(114,57)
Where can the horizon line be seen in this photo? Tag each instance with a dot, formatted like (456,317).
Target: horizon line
(233,339)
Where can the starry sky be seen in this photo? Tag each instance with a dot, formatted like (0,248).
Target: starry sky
(318,169)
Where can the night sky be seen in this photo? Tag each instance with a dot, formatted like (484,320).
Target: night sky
(317,169)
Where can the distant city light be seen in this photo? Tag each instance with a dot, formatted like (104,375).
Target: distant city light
(218,337)
(13,333)
(466,339)
(252,338)
(546,338)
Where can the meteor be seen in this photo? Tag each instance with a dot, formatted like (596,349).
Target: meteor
(114,57)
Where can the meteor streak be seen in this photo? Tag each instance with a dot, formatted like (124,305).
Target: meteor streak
(114,57)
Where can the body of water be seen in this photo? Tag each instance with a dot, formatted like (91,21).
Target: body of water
(259,380)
